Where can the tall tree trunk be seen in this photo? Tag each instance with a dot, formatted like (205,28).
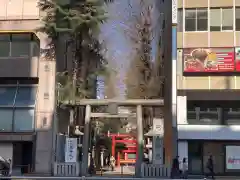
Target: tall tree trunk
(74,81)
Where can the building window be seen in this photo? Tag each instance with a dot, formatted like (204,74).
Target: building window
(221,19)
(231,116)
(203,113)
(209,116)
(17,104)
(16,45)
(237,20)
(6,119)
(23,119)
(180,20)
(196,19)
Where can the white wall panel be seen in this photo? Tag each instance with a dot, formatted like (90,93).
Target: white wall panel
(209,132)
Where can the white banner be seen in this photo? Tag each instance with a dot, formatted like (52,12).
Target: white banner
(157,146)
(232,157)
(71,150)
(174,11)
(158,126)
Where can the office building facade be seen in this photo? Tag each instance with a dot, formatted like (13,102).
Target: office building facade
(27,88)
(208,84)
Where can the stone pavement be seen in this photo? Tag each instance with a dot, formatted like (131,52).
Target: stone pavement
(124,170)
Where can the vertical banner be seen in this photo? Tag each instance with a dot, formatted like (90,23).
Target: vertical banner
(71,150)
(174,11)
(157,150)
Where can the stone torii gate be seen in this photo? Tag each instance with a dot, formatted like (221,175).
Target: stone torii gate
(138,103)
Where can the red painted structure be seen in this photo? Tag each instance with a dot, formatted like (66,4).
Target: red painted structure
(131,145)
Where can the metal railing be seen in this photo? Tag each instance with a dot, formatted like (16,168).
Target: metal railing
(67,169)
(155,170)
(147,170)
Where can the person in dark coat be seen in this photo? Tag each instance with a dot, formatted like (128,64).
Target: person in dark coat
(175,172)
(210,168)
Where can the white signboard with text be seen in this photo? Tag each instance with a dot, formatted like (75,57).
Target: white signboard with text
(71,150)
(233,157)
(174,11)
(158,128)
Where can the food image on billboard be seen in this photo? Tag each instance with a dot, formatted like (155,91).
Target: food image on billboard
(209,60)
(237,58)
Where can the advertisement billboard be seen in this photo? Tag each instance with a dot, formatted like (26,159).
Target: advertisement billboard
(209,60)
(237,58)
(232,157)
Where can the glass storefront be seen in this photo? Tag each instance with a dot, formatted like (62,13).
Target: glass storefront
(199,152)
(195,154)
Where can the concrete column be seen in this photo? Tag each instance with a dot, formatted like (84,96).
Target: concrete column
(182,110)
(139,141)
(86,141)
(45,108)
(170,87)
(182,150)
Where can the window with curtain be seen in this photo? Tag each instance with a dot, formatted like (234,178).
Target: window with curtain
(221,19)
(237,19)
(180,20)
(227,19)
(215,20)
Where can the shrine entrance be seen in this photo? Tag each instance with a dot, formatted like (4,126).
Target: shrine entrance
(113,113)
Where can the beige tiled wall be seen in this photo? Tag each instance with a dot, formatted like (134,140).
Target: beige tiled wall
(237,2)
(195,3)
(193,39)
(221,39)
(196,83)
(19,9)
(222,82)
(221,3)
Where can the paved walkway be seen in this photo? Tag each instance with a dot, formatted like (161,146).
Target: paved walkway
(124,170)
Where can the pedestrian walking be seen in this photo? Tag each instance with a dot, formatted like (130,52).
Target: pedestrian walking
(210,168)
(175,171)
(112,163)
(184,168)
